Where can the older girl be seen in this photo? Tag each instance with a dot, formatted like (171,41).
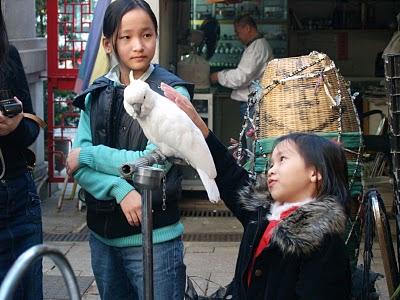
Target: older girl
(107,137)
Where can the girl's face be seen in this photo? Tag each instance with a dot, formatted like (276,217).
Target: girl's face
(136,43)
(289,179)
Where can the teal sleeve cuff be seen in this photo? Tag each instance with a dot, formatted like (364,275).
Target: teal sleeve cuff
(86,157)
(183,91)
(120,190)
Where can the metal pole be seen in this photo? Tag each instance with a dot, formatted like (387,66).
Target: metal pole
(147,179)
(26,259)
(147,245)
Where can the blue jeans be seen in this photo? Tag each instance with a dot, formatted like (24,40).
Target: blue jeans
(119,271)
(20,229)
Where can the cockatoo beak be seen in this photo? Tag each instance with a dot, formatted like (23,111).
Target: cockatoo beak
(137,108)
(131,79)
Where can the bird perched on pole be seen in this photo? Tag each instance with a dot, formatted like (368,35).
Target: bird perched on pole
(171,130)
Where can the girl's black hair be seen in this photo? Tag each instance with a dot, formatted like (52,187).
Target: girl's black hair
(3,38)
(114,13)
(329,160)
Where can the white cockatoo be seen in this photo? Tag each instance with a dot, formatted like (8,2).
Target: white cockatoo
(171,130)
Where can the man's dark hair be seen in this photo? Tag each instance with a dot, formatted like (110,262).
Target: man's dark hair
(245,20)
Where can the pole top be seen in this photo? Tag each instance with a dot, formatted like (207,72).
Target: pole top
(148,177)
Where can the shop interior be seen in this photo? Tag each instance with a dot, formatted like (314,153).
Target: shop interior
(353,33)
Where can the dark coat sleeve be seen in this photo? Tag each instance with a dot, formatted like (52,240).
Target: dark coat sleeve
(326,273)
(27,131)
(230,176)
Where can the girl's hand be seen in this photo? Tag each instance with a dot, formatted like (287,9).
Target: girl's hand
(8,125)
(72,163)
(184,104)
(131,206)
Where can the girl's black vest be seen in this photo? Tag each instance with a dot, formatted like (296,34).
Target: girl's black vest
(113,127)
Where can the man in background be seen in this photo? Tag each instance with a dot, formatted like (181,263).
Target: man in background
(252,63)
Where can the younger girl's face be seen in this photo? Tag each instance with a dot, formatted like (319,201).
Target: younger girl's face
(289,179)
(136,43)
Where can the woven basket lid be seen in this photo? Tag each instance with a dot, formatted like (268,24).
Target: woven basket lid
(306,94)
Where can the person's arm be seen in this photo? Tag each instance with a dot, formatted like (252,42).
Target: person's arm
(108,160)
(102,186)
(230,176)
(252,61)
(18,131)
(326,273)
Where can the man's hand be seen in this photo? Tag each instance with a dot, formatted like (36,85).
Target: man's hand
(214,77)
(184,104)
(8,125)
(72,163)
(132,207)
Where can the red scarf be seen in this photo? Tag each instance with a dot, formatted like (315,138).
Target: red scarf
(266,238)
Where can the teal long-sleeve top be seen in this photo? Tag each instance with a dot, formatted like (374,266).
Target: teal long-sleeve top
(99,174)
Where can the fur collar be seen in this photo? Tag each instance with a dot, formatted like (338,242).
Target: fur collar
(305,229)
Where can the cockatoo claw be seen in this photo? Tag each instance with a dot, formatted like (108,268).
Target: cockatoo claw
(214,201)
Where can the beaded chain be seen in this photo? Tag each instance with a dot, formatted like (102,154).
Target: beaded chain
(338,99)
(359,153)
(255,96)
(340,121)
(164,191)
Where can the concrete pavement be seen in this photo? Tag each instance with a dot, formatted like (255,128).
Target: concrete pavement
(210,264)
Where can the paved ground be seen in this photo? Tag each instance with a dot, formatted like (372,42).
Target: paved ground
(209,264)
(214,261)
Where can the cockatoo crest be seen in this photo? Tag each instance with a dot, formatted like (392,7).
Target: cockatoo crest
(136,95)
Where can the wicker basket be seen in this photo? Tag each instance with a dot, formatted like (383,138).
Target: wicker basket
(306,94)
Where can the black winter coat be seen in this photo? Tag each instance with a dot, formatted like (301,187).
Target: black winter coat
(13,145)
(306,258)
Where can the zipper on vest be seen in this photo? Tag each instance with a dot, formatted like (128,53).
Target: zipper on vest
(111,120)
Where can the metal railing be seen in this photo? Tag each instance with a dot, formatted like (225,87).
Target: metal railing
(26,259)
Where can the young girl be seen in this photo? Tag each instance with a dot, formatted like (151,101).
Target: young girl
(292,245)
(108,137)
